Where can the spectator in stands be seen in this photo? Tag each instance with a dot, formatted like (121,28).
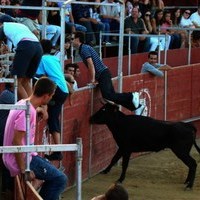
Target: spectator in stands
(114,192)
(4,3)
(152,65)
(144,6)
(77,73)
(29,17)
(32,19)
(155,42)
(71,68)
(67,49)
(29,13)
(50,66)
(110,16)
(95,14)
(100,74)
(69,19)
(6,97)
(157,4)
(176,18)
(134,24)
(195,17)
(175,41)
(156,22)
(185,21)
(128,8)
(15,134)
(28,53)
(70,83)
(13,12)
(81,15)
(52,31)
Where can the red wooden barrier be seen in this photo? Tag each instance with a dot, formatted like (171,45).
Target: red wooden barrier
(25,190)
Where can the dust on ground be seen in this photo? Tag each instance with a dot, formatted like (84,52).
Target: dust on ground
(155,176)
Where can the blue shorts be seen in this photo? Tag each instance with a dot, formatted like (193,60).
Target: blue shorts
(27,58)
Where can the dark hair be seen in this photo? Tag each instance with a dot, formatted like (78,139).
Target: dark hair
(6,18)
(44,86)
(156,16)
(68,65)
(116,192)
(76,66)
(80,35)
(46,46)
(152,53)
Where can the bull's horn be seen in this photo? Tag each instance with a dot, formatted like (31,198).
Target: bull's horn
(110,102)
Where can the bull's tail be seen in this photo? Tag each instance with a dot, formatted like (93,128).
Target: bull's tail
(194,130)
(196,146)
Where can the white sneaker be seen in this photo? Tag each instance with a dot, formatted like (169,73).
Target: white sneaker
(136,99)
(108,43)
(140,110)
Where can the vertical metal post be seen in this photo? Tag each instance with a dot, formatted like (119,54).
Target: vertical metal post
(100,44)
(165,55)
(15,88)
(27,111)
(121,46)
(62,58)
(190,47)
(44,20)
(79,154)
(129,53)
(90,135)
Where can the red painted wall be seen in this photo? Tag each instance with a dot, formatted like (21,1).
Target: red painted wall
(181,3)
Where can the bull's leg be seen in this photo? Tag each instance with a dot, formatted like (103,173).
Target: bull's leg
(125,161)
(114,160)
(191,163)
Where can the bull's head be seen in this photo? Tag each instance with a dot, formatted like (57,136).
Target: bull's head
(104,114)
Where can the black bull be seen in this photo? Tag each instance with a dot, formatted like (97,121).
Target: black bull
(134,133)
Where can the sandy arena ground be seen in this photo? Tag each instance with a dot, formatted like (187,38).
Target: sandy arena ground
(155,176)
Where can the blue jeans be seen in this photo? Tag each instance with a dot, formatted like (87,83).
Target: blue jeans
(135,42)
(78,27)
(55,181)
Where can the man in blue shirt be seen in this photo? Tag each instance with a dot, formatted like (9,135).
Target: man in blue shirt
(152,65)
(100,73)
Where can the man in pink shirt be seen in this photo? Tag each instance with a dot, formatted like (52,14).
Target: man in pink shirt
(15,135)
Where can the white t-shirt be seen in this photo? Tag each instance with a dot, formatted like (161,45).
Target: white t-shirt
(109,10)
(195,17)
(15,32)
(185,22)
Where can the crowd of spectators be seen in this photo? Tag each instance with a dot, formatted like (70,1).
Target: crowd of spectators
(141,17)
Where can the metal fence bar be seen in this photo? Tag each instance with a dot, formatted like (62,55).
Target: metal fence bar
(39,148)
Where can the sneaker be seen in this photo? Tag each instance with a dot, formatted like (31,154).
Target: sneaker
(54,156)
(140,110)
(136,99)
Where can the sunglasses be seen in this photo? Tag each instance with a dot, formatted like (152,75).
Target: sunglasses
(147,15)
(187,13)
